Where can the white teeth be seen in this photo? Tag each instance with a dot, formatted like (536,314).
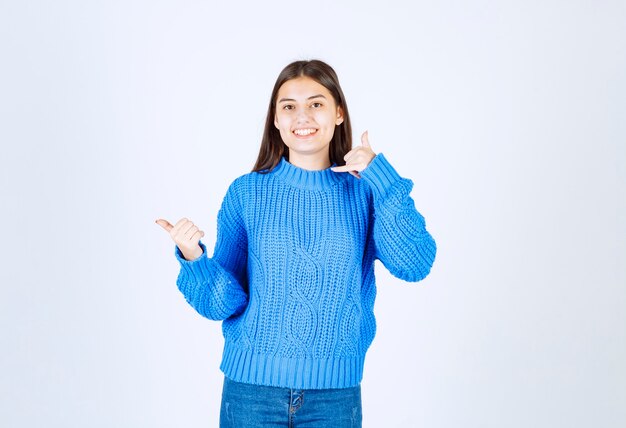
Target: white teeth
(304,131)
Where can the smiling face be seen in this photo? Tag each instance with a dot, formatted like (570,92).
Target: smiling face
(306,116)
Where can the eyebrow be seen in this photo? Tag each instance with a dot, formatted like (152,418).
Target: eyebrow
(310,98)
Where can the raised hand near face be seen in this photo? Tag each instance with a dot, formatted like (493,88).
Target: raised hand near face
(358,158)
(186,235)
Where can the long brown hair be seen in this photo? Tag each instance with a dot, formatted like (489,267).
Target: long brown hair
(272,145)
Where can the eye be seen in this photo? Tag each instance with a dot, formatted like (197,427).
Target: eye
(288,107)
(316,105)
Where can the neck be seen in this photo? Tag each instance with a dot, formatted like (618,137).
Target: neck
(310,162)
(315,179)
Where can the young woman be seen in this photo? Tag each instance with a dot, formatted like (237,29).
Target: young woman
(292,272)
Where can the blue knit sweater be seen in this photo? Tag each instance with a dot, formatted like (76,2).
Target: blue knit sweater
(292,273)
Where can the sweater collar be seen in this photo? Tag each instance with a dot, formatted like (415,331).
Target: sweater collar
(306,179)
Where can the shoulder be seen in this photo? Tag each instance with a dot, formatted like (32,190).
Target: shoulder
(243,183)
(243,187)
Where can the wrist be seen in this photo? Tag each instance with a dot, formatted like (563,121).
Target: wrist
(190,256)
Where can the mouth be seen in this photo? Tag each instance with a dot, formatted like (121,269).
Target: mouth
(304,132)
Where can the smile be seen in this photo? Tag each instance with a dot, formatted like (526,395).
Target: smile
(305,131)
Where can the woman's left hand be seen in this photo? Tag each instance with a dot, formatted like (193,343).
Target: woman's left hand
(358,158)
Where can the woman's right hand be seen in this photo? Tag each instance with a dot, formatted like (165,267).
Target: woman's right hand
(186,235)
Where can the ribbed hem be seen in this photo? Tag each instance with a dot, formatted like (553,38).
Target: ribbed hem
(306,179)
(297,373)
(380,175)
(195,268)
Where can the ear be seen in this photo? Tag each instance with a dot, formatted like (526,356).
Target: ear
(339,120)
(276,122)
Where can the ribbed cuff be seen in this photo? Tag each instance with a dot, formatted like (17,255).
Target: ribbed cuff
(195,268)
(380,175)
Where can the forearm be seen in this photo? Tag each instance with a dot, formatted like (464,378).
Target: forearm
(209,288)
(402,242)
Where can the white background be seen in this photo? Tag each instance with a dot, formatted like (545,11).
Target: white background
(510,118)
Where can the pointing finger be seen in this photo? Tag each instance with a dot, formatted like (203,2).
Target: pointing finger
(344,168)
(349,168)
(364,139)
(164,224)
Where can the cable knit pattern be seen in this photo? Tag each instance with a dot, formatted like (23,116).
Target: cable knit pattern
(292,273)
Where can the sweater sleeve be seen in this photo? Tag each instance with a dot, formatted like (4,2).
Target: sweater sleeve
(217,287)
(402,242)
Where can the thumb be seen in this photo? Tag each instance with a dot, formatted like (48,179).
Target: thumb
(364,139)
(164,224)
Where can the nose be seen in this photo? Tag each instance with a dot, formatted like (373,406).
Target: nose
(302,115)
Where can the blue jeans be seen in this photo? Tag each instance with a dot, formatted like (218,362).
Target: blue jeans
(249,406)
